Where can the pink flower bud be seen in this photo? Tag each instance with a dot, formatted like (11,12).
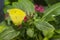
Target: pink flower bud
(36,7)
(41,9)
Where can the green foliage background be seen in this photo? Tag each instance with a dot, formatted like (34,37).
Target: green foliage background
(42,27)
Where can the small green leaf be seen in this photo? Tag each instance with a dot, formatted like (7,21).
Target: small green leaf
(50,2)
(6,8)
(30,32)
(40,37)
(2,26)
(6,2)
(58,31)
(56,37)
(45,38)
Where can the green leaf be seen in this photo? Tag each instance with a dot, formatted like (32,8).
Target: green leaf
(30,32)
(51,12)
(2,26)
(40,37)
(58,31)
(25,5)
(46,28)
(6,2)
(56,37)
(9,34)
(7,8)
(50,2)
(45,38)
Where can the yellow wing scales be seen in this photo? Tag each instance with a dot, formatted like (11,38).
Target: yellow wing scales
(16,15)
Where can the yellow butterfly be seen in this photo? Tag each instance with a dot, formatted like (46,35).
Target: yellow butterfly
(16,15)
